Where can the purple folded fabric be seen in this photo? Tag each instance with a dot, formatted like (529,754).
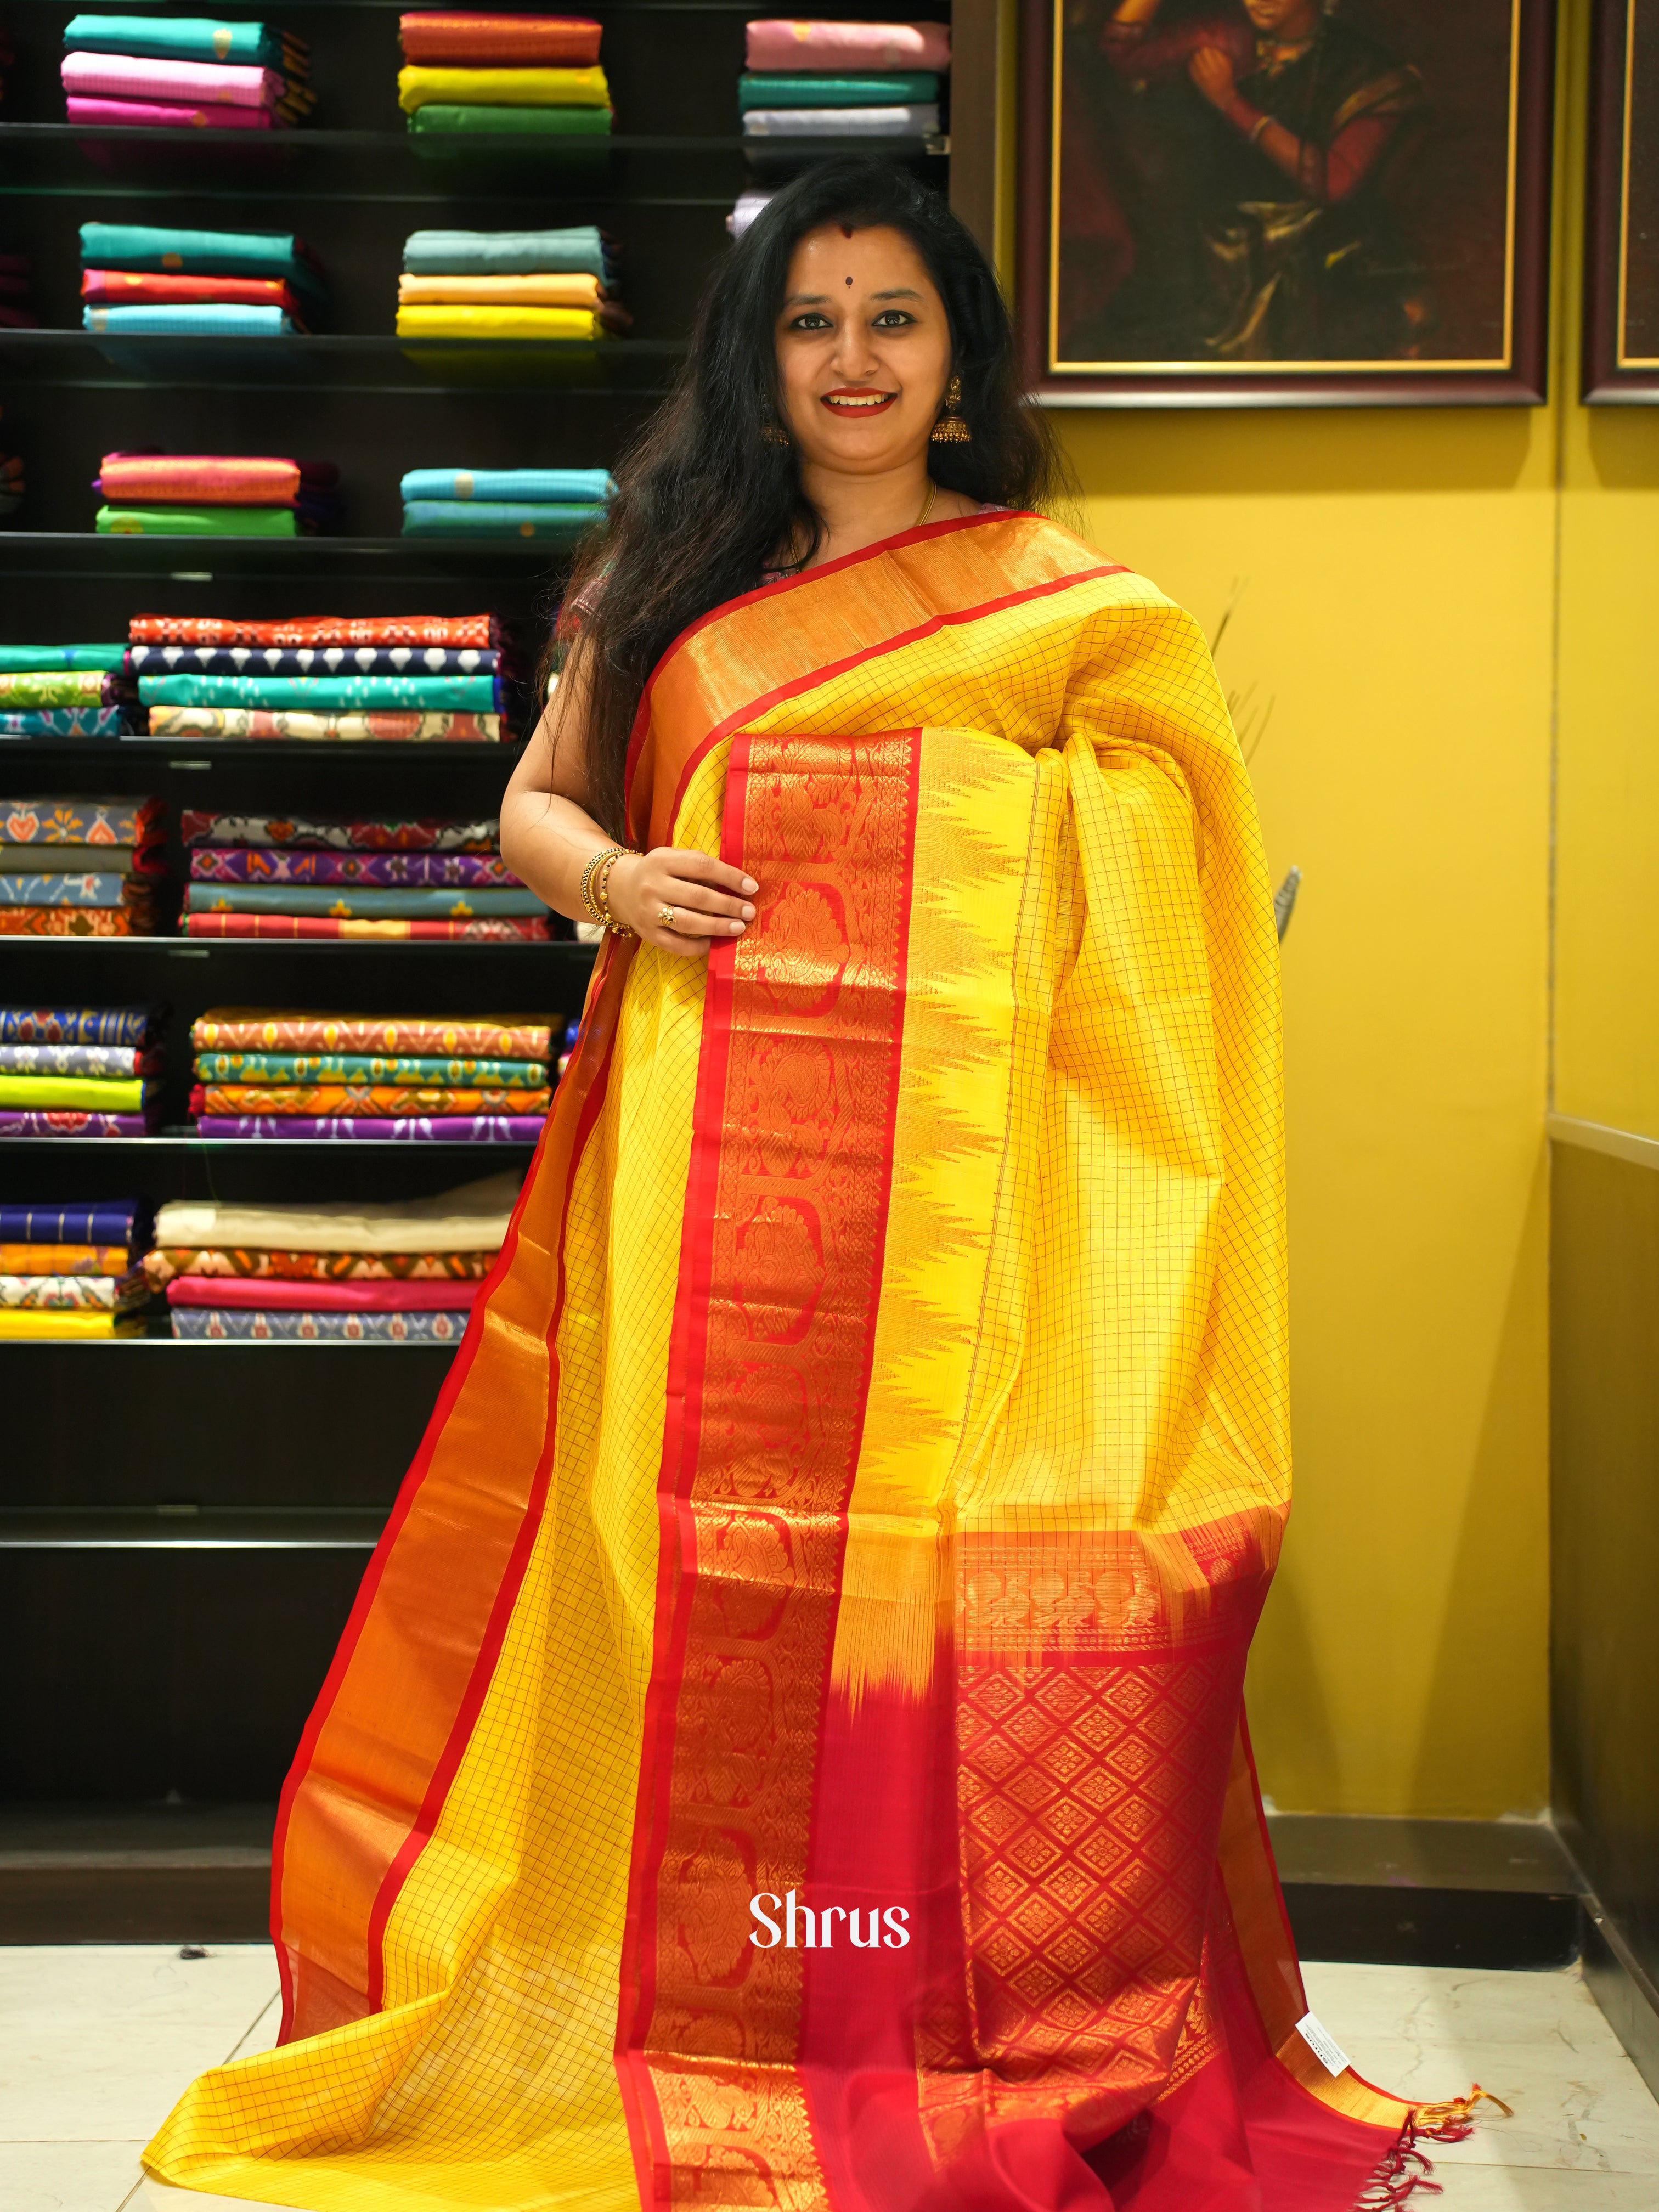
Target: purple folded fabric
(65,1124)
(433,1129)
(150,115)
(136,76)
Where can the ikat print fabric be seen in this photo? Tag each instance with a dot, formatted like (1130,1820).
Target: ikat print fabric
(317,629)
(135,822)
(233,1327)
(75,1071)
(501,929)
(360,833)
(139,1026)
(395,728)
(98,866)
(255,864)
(252,1029)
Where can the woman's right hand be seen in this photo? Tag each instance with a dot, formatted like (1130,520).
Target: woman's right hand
(708,900)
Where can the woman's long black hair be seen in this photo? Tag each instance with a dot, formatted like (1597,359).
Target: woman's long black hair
(705,501)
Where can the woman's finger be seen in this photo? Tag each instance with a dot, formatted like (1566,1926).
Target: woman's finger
(688,922)
(694,866)
(696,898)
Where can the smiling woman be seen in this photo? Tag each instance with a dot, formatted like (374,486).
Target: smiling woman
(854,1496)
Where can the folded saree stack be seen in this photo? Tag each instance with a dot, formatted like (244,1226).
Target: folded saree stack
(550,285)
(80,868)
(406,1272)
(256,875)
(64,690)
(72,1269)
(469,74)
(842,80)
(343,676)
(435,1079)
(79,1071)
(183,72)
(214,496)
(556,503)
(148,280)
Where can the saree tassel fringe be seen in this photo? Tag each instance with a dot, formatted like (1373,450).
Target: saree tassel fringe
(1406,2171)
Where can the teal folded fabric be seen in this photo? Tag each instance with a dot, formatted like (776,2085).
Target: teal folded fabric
(563,487)
(181,38)
(496,517)
(25,660)
(899,89)
(328,694)
(197,522)
(197,252)
(350,903)
(506,253)
(441,119)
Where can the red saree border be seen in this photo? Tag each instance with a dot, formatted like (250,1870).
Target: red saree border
(736,1470)
(581,1095)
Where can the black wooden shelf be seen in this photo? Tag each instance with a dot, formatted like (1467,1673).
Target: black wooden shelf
(207,1528)
(119,750)
(65,553)
(557,954)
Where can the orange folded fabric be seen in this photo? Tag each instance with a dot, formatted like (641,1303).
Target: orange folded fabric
(545,289)
(443,36)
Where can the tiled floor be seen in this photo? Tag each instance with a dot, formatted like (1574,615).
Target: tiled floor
(96,2041)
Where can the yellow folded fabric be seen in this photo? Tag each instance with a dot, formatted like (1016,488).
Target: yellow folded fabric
(496,322)
(551,290)
(14,1323)
(502,88)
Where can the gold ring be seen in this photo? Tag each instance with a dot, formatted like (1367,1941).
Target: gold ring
(666,917)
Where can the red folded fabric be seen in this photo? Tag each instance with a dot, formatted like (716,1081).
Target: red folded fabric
(211,479)
(564,41)
(315,629)
(270,1294)
(498,929)
(136,288)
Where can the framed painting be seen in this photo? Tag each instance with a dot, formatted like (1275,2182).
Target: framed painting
(1621,261)
(1284,203)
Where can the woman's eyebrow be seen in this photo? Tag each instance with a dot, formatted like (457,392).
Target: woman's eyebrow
(804,298)
(898,292)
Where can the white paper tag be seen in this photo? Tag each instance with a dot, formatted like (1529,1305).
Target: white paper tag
(1322,2044)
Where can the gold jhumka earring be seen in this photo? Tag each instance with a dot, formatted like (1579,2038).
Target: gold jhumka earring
(774,433)
(950,429)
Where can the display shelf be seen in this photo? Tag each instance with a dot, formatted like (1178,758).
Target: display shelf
(65,553)
(184,1139)
(202,1528)
(558,956)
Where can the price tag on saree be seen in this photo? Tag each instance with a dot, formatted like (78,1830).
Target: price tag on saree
(1322,2044)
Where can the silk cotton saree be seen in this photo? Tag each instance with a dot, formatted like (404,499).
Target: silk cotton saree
(854,1497)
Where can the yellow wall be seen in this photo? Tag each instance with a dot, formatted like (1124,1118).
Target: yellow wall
(1394,576)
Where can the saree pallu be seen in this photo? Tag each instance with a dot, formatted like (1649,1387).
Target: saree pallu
(316,629)
(437,35)
(872,1454)
(395,728)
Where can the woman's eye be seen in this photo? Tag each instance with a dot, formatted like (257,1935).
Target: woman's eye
(811,321)
(892,319)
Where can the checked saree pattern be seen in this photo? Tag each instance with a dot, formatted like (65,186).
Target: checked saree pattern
(861,1477)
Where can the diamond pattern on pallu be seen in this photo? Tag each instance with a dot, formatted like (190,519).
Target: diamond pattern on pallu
(1089,1799)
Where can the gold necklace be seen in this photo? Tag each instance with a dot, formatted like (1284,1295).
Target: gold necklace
(926,505)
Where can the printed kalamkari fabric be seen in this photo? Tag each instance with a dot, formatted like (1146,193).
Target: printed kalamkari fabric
(857,1489)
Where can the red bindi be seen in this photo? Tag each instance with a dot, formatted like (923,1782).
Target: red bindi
(849,284)
(847,232)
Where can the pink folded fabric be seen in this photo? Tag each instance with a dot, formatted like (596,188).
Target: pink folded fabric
(204,479)
(151,115)
(134,76)
(793,44)
(263,1294)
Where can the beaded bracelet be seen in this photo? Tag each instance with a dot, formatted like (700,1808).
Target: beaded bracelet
(596,889)
(592,913)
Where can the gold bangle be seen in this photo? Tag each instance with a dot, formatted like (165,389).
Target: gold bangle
(602,894)
(605,854)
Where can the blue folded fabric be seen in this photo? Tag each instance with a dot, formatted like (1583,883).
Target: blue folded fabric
(507,252)
(364,905)
(180,39)
(497,518)
(562,486)
(27,659)
(104,1221)
(327,695)
(59,888)
(215,319)
(62,722)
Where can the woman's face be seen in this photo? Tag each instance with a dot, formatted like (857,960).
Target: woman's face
(864,350)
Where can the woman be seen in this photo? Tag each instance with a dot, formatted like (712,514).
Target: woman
(787,1740)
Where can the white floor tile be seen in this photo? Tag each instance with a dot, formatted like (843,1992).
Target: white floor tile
(1537,2040)
(60,2177)
(97,2040)
(152,2196)
(1536,2189)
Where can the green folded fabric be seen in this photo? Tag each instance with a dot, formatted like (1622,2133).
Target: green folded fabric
(349,902)
(901,88)
(88,1093)
(65,687)
(19,659)
(197,522)
(441,119)
(325,694)
(185,38)
(496,517)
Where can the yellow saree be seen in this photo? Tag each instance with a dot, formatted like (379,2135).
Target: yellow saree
(849,1511)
